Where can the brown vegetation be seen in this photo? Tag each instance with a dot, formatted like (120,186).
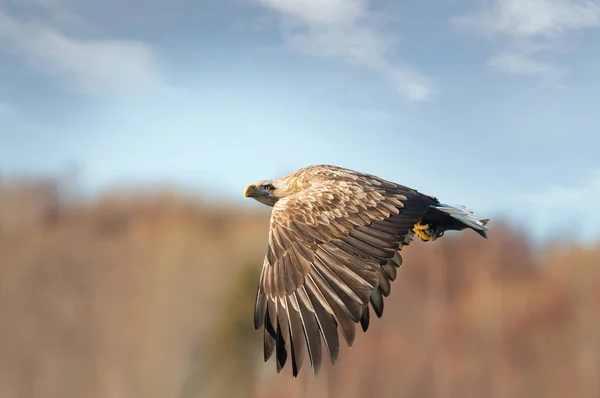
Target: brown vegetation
(152,296)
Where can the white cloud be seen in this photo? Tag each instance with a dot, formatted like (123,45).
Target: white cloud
(320,12)
(346,30)
(532,27)
(534,18)
(94,67)
(515,63)
(519,59)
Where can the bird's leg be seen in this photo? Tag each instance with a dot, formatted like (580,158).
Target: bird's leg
(424,232)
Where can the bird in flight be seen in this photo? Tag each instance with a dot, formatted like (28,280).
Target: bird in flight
(334,244)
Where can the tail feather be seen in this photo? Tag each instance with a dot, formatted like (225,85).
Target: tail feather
(446,217)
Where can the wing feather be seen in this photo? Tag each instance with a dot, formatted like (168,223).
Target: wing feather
(349,299)
(384,282)
(367,248)
(365,319)
(282,341)
(333,251)
(327,324)
(297,336)
(334,279)
(269,329)
(260,306)
(374,240)
(342,314)
(349,268)
(311,330)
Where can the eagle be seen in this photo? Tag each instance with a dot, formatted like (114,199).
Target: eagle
(334,247)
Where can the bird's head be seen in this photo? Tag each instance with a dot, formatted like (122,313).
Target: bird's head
(267,192)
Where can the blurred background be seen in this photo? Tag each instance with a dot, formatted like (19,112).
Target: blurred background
(129,259)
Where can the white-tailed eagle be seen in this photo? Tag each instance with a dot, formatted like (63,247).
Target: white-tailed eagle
(334,248)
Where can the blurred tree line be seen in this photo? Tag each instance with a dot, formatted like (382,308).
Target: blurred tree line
(150,293)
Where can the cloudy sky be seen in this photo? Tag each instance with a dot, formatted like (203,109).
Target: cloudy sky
(488,103)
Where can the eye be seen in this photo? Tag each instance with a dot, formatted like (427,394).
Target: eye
(269,187)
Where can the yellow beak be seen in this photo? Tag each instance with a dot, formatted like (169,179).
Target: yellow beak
(250,191)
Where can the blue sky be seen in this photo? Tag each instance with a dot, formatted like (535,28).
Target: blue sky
(492,104)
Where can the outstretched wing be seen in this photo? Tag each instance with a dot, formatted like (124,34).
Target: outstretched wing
(333,248)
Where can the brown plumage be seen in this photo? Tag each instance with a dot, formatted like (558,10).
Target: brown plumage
(334,247)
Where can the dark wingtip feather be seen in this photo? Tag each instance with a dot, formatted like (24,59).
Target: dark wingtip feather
(295,365)
(365,318)
(377,302)
(260,310)
(269,345)
(390,271)
(269,327)
(311,333)
(298,340)
(327,325)
(280,349)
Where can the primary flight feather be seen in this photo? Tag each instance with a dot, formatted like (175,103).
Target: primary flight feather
(334,245)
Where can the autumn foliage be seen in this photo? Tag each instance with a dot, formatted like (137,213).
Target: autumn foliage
(150,295)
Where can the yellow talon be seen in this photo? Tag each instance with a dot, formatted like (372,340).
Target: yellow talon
(418,226)
(421,230)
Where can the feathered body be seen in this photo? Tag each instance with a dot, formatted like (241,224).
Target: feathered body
(334,247)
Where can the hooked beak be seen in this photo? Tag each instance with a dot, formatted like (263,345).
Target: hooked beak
(251,191)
